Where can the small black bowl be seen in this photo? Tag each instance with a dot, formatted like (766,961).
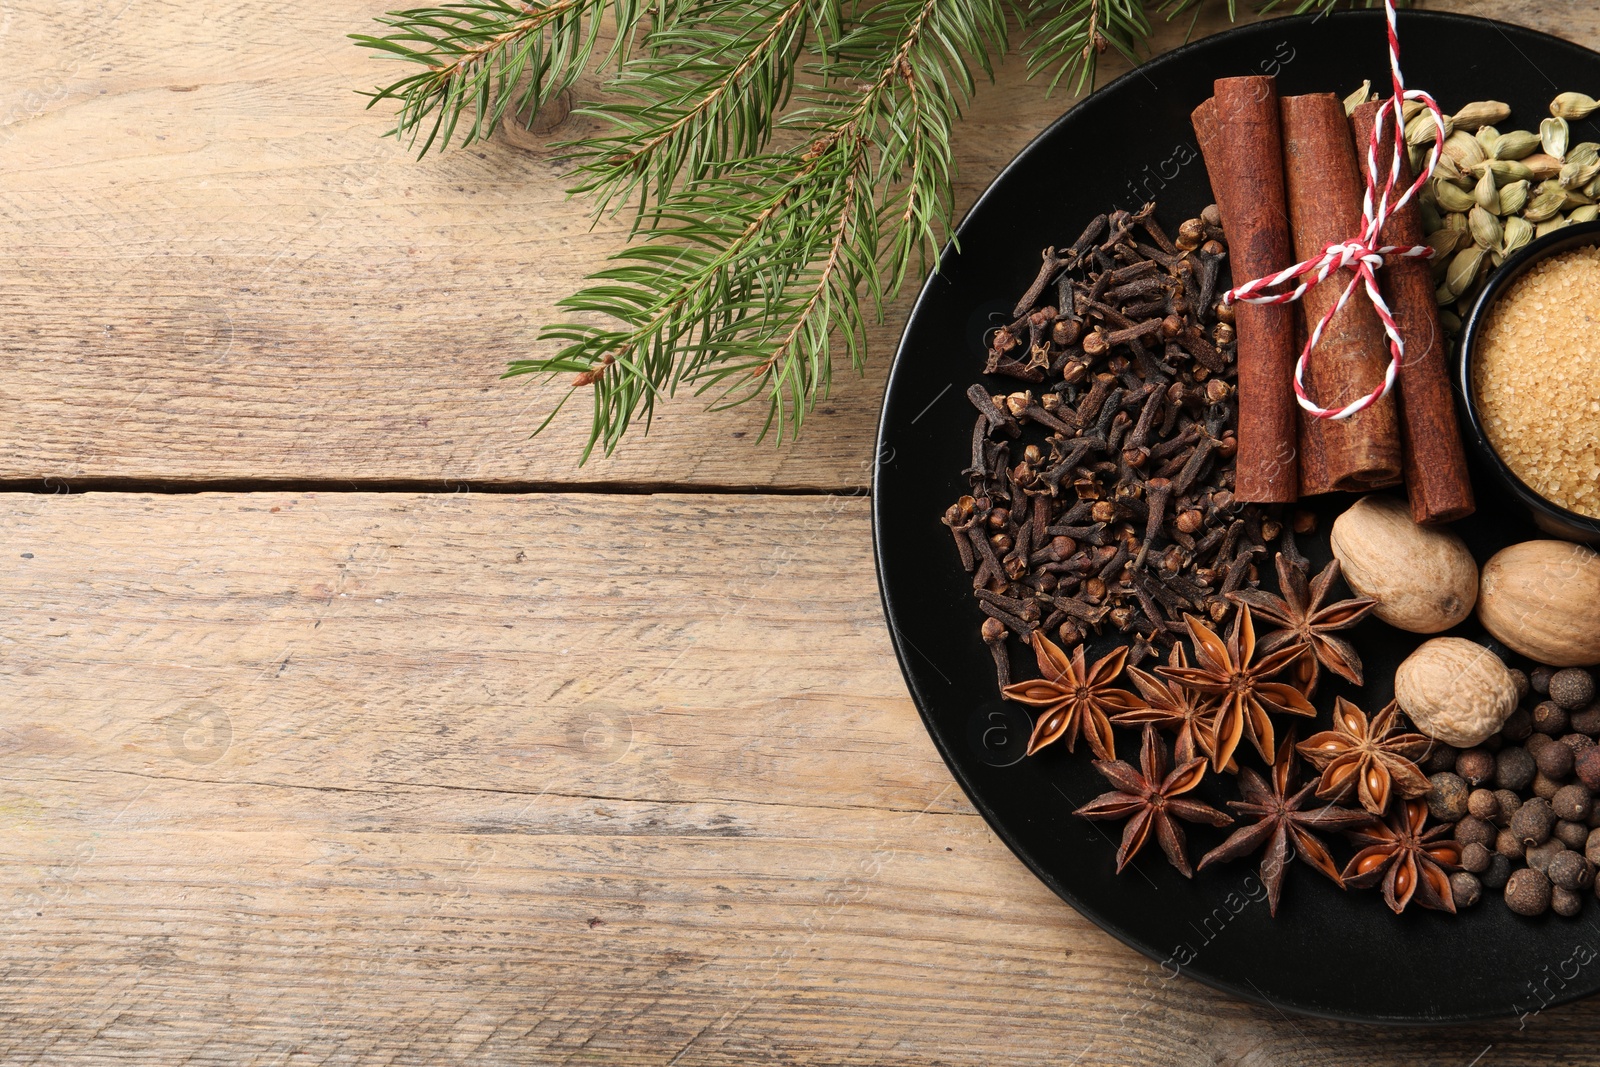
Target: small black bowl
(1550,517)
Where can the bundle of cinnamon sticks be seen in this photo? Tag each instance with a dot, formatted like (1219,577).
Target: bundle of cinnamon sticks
(1287,176)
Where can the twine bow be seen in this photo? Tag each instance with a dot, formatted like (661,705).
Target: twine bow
(1362,255)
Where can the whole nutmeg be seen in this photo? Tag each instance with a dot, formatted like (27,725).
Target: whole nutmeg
(1455,690)
(1519,724)
(1554,761)
(1587,721)
(1587,765)
(1568,870)
(1513,768)
(1475,858)
(1572,802)
(1507,845)
(1469,830)
(1542,599)
(1546,787)
(1564,902)
(1575,835)
(1476,766)
(1539,856)
(1440,757)
(1528,892)
(1465,889)
(1572,688)
(1498,874)
(1550,718)
(1447,796)
(1509,803)
(1483,804)
(1423,578)
(1539,680)
(1532,822)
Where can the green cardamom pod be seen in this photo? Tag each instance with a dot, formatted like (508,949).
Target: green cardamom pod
(1410,109)
(1546,202)
(1443,296)
(1512,198)
(1431,220)
(1456,220)
(1582,165)
(1485,228)
(1553,136)
(1576,198)
(1487,191)
(1448,170)
(1420,130)
(1586,213)
(1450,321)
(1549,226)
(1486,137)
(1518,232)
(1357,98)
(1464,269)
(1452,199)
(1573,106)
(1479,113)
(1592,190)
(1514,145)
(1465,150)
(1542,165)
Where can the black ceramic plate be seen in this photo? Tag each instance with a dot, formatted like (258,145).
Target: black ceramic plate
(1329,953)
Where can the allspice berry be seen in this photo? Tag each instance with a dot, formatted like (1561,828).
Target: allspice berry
(1528,892)
(1466,889)
(1531,824)
(1591,851)
(1574,835)
(1545,786)
(1568,870)
(1513,768)
(1550,718)
(1554,760)
(1476,765)
(1577,742)
(1587,764)
(1509,803)
(1587,721)
(1564,902)
(1469,830)
(1498,873)
(1475,858)
(1539,680)
(1508,845)
(1441,757)
(1518,725)
(1483,804)
(1572,688)
(1519,679)
(1539,856)
(1447,797)
(1572,802)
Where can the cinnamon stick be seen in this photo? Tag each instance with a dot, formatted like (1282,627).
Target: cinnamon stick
(1241,141)
(1362,451)
(1435,463)
(1313,461)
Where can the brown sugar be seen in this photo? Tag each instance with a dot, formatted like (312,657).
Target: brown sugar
(1536,379)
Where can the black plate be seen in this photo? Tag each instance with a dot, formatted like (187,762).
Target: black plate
(1328,953)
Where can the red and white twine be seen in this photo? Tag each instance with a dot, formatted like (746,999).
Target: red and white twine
(1362,254)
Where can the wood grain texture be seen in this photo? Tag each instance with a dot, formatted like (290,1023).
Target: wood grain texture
(218,268)
(297,779)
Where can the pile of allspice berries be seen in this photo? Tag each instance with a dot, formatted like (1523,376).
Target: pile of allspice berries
(1494,190)
(1524,802)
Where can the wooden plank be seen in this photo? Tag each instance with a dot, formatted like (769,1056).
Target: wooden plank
(503,779)
(219,269)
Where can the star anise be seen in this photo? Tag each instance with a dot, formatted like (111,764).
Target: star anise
(1306,621)
(1075,698)
(1283,823)
(1231,671)
(1152,796)
(1169,706)
(1410,862)
(1373,759)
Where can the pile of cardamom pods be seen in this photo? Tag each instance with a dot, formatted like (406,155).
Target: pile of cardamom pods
(1494,191)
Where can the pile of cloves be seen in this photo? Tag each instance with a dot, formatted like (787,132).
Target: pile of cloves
(1102,497)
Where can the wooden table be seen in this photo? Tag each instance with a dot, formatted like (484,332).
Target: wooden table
(342,723)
